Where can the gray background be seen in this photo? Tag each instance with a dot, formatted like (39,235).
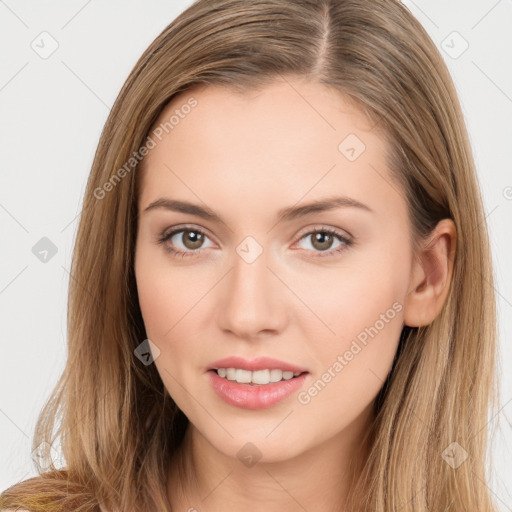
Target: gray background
(53,108)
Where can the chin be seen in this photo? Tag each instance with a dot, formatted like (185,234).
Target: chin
(251,448)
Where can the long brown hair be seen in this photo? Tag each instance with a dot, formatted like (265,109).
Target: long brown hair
(118,427)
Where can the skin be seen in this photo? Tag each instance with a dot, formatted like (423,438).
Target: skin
(246,157)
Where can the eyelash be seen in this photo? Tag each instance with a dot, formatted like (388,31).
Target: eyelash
(321,254)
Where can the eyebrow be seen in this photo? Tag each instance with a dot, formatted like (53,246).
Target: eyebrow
(285,214)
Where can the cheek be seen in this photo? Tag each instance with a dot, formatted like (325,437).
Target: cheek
(352,366)
(170,300)
(155,299)
(363,309)
(349,298)
(165,294)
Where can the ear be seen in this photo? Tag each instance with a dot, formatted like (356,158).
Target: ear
(431,275)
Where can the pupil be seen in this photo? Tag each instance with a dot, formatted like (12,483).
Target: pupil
(194,238)
(325,243)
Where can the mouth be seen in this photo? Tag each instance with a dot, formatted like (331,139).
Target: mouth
(257,377)
(258,389)
(257,383)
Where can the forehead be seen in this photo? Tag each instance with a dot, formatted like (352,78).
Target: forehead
(289,138)
(269,108)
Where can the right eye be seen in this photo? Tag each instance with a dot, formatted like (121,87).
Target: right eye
(192,236)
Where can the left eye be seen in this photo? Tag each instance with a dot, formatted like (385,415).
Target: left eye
(322,239)
(193,239)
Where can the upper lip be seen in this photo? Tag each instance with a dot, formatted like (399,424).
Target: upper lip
(260,363)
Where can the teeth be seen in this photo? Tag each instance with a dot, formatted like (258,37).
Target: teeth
(261,377)
(275,375)
(243,376)
(256,377)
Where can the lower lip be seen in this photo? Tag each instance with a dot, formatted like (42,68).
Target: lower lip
(254,396)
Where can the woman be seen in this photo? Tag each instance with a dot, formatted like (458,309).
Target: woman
(280,295)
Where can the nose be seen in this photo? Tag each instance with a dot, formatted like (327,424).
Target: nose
(254,299)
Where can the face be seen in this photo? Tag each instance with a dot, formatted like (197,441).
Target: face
(320,290)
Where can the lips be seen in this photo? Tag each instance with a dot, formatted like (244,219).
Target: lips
(250,396)
(260,363)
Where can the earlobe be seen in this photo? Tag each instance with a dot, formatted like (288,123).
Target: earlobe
(431,276)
